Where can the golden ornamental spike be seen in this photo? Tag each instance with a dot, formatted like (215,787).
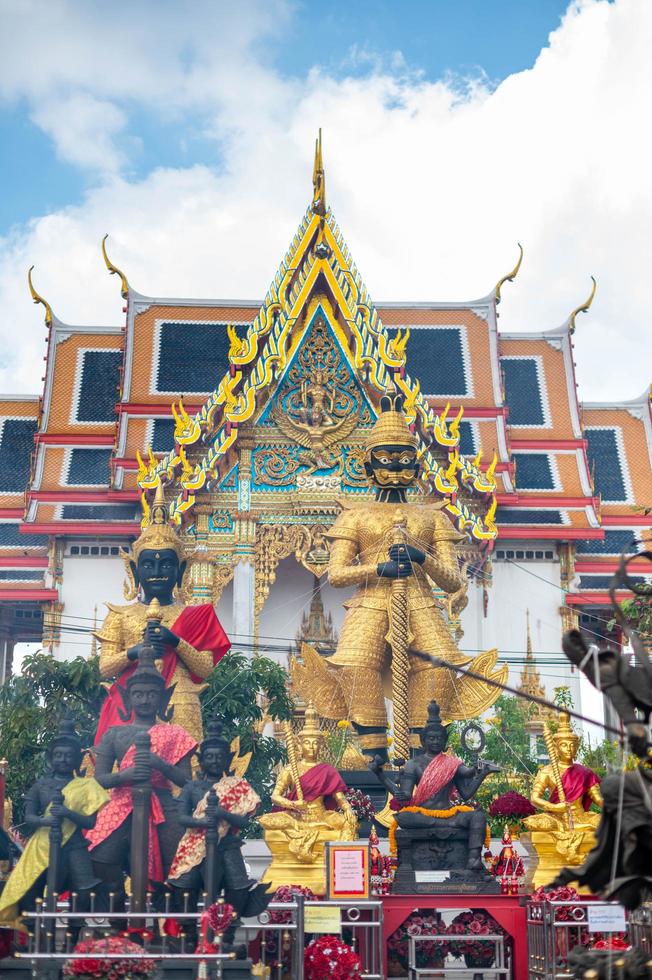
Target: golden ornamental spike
(583,307)
(39,299)
(113,269)
(510,277)
(293,760)
(318,180)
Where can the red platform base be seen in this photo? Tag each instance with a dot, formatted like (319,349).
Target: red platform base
(507,910)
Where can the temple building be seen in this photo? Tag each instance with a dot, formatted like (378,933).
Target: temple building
(253,415)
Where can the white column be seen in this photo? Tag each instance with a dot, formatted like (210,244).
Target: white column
(243,603)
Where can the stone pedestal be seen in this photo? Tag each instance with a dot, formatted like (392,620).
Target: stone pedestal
(546,861)
(287,869)
(432,865)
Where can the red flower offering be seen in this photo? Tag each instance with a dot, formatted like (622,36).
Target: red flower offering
(328,958)
(94,964)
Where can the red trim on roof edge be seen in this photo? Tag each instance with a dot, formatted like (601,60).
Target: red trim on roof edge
(29,595)
(84,496)
(12,512)
(594,598)
(73,439)
(517,444)
(23,561)
(612,565)
(65,528)
(626,520)
(507,532)
(157,408)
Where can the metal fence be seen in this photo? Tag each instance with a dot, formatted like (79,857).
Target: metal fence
(553,930)
(640,928)
(277,938)
(495,963)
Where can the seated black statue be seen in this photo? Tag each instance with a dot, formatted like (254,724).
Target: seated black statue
(217,800)
(435,829)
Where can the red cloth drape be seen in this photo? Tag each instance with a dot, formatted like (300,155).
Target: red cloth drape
(577,780)
(172,743)
(198,626)
(439,772)
(321,780)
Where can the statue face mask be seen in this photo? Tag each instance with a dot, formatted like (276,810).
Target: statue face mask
(215,761)
(64,759)
(145,699)
(392,467)
(434,740)
(158,572)
(309,748)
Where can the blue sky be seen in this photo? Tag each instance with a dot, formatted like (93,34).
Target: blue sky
(440,38)
(453,129)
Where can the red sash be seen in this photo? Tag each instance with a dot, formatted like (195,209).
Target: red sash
(577,780)
(198,626)
(322,780)
(172,743)
(439,772)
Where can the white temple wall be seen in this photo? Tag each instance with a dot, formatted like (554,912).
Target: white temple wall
(88,581)
(517,588)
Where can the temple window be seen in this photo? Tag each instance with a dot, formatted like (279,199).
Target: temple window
(98,512)
(606,455)
(440,357)
(612,544)
(525,393)
(10,537)
(16,447)
(535,471)
(97,386)
(190,357)
(87,467)
(160,435)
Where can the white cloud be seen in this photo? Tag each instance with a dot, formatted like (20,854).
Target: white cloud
(432,189)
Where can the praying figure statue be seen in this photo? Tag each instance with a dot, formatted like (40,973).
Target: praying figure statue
(434,828)
(188,641)
(310,809)
(235,806)
(563,832)
(364,553)
(117,769)
(61,796)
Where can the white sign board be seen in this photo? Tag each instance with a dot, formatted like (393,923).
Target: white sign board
(606,918)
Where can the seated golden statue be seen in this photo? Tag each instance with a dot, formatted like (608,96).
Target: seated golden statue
(564,831)
(310,809)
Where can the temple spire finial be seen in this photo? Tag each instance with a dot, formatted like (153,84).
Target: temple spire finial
(318,180)
(583,307)
(528,646)
(511,276)
(113,269)
(39,299)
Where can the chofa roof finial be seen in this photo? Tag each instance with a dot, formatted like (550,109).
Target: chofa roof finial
(583,307)
(511,276)
(319,180)
(113,269)
(39,299)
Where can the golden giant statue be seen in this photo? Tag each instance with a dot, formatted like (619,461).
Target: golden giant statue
(188,640)
(563,832)
(311,809)
(396,551)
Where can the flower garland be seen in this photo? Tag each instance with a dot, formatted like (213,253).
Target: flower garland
(95,966)
(361,804)
(330,957)
(440,814)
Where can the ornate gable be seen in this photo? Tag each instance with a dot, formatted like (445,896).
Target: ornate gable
(303,383)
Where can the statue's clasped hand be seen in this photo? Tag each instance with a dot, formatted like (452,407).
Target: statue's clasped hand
(160,637)
(407,553)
